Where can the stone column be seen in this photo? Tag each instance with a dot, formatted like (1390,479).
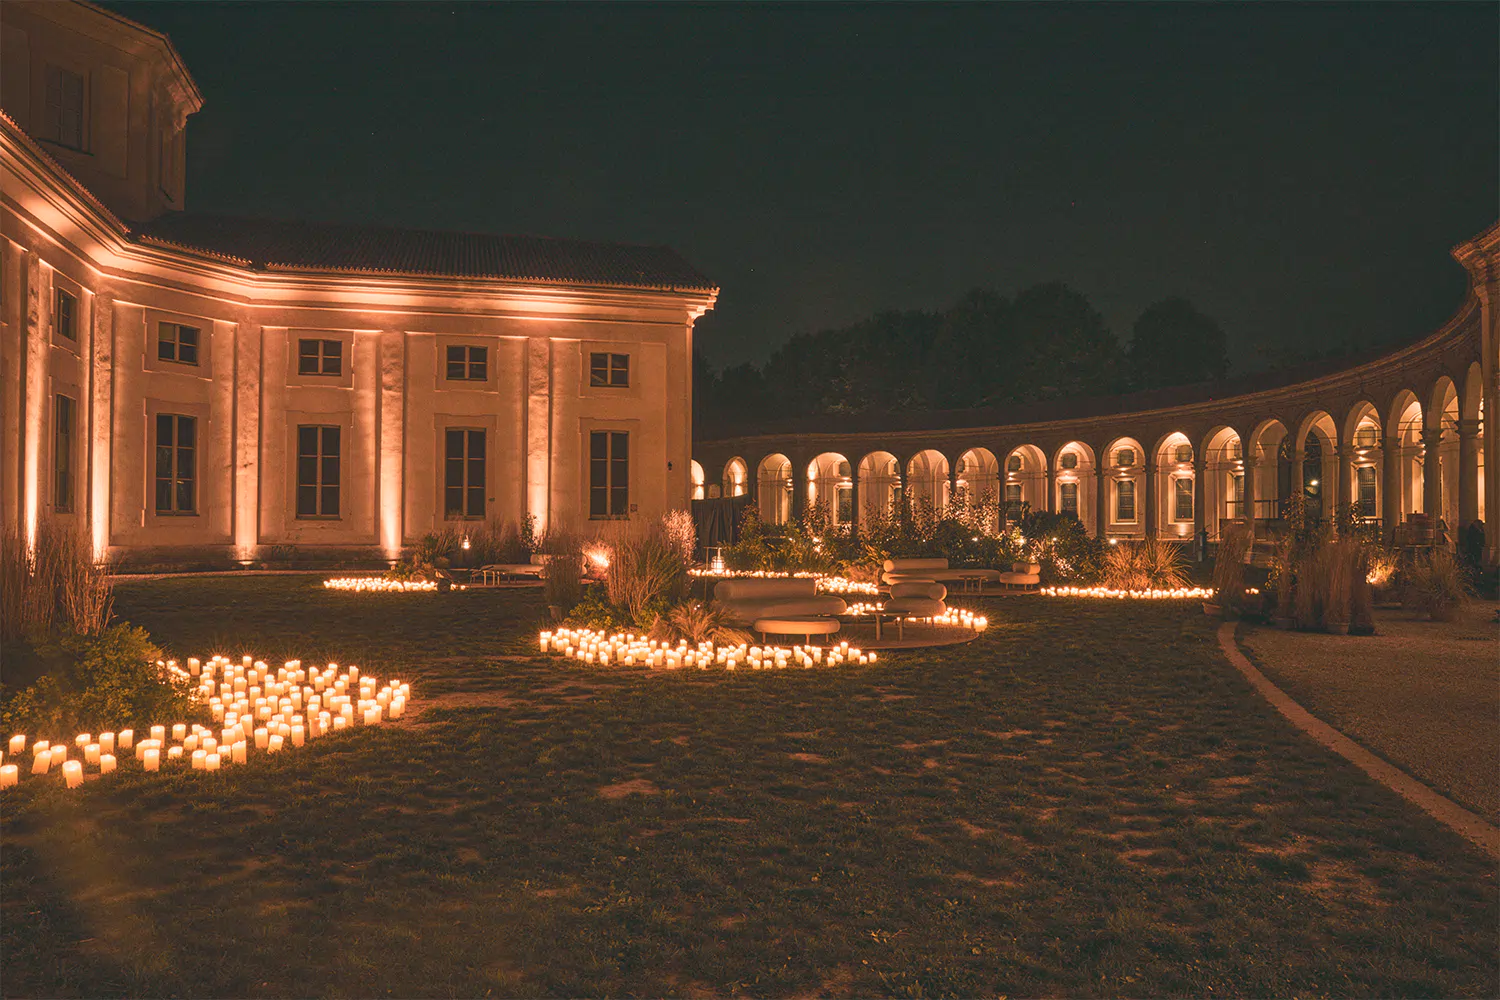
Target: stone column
(391,429)
(856,514)
(1149,515)
(1051,488)
(952,486)
(1247,504)
(248,342)
(1200,497)
(1468,472)
(538,417)
(1390,493)
(1344,478)
(1101,501)
(1432,477)
(799,488)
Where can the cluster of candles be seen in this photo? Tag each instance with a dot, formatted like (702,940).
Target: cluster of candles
(826,584)
(630,650)
(254,707)
(953,616)
(1174,593)
(378,584)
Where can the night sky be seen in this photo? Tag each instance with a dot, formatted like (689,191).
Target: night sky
(1297,171)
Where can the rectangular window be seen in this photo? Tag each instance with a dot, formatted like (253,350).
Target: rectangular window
(65,107)
(1365,479)
(609,474)
(1067,494)
(463,473)
(65,315)
(612,370)
(175,342)
(320,357)
(176,464)
(468,364)
(1182,499)
(845,494)
(318,457)
(64,420)
(1125,500)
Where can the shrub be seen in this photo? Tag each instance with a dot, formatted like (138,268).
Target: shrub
(1229,566)
(594,611)
(1152,564)
(1435,584)
(57,588)
(1061,544)
(489,543)
(645,569)
(562,584)
(98,682)
(697,622)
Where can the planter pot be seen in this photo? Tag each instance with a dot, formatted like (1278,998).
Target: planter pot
(556,611)
(1338,628)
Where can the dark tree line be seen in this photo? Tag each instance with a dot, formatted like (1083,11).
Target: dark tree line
(1046,342)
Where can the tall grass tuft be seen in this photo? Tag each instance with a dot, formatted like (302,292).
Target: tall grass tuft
(682,532)
(58,588)
(1153,564)
(1229,566)
(698,622)
(562,584)
(1435,584)
(646,572)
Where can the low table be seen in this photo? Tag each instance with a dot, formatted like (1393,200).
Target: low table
(806,626)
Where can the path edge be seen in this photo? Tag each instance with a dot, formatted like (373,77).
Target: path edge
(1466,824)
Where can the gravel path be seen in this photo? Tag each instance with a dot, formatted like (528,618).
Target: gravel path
(1424,695)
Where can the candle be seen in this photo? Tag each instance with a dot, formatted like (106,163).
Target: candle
(106,742)
(73,773)
(174,752)
(194,666)
(158,733)
(10,776)
(339,722)
(153,759)
(106,763)
(18,743)
(83,739)
(91,753)
(179,731)
(40,747)
(198,758)
(262,739)
(275,744)
(238,752)
(211,762)
(210,745)
(59,753)
(190,742)
(126,738)
(298,737)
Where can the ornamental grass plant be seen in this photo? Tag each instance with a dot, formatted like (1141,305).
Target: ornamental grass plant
(56,588)
(1229,566)
(647,573)
(1152,564)
(1435,584)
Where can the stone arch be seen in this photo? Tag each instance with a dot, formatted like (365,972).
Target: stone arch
(773,478)
(695,480)
(830,482)
(880,485)
(1441,459)
(1223,480)
(1175,486)
(978,481)
(1317,444)
(1077,483)
(927,479)
(1363,439)
(1125,470)
(1404,425)
(735,482)
(1272,472)
(1025,475)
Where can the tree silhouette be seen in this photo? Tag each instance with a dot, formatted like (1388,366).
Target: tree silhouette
(1172,343)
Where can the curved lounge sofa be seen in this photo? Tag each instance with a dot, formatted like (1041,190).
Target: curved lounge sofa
(749,599)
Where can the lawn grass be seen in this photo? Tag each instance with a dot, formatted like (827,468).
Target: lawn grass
(1085,801)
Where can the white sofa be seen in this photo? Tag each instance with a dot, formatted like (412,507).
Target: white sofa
(748,599)
(915,570)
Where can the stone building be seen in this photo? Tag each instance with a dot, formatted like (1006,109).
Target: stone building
(1398,435)
(183,388)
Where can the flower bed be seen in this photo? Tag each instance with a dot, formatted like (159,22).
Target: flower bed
(257,712)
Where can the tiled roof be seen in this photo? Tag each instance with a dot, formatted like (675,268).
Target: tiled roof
(270,244)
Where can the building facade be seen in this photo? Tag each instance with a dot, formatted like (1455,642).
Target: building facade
(1401,437)
(183,388)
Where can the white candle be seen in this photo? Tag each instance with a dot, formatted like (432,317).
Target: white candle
(194,666)
(274,745)
(398,705)
(91,753)
(238,752)
(210,745)
(73,773)
(339,722)
(18,743)
(153,759)
(40,747)
(59,753)
(298,736)
(83,739)
(190,742)
(179,731)
(174,752)
(262,739)
(10,776)
(126,738)
(106,763)
(198,758)
(106,742)
(158,732)
(211,762)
